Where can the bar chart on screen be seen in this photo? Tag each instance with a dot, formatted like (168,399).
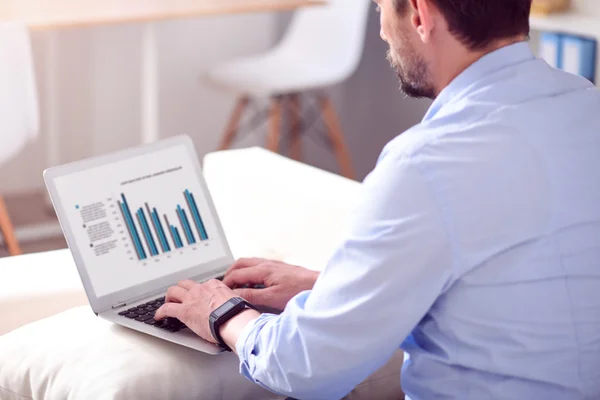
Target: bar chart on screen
(153,232)
(142,218)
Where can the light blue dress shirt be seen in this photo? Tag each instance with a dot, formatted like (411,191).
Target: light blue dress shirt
(475,248)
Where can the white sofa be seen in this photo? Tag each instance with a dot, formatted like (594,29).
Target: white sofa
(270,207)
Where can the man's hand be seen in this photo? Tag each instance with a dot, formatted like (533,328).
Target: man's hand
(192,303)
(282,281)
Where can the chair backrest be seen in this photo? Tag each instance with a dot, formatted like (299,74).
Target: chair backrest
(333,34)
(19,112)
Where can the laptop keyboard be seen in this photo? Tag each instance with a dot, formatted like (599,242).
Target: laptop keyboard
(144,313)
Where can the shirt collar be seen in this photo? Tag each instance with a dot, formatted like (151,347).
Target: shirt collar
(492,62)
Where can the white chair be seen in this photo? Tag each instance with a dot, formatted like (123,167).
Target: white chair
(19,113)
(322,47)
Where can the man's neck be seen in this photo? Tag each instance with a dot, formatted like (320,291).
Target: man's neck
(465,58)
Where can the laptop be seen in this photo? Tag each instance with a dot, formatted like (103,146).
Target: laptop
(137,222)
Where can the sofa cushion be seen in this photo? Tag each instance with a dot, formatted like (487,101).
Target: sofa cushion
(35,286)
(76,355)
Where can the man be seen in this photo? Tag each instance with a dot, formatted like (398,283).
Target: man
(476,244)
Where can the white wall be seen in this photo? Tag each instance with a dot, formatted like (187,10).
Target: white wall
(99,87)
(589,7)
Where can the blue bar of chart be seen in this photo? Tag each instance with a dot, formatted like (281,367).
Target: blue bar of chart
(133,232)
(191,202)
(147,231)
(147,234)
(164,244)
(178,237)
(183,219)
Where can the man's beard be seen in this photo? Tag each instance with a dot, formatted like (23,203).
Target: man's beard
(414,75)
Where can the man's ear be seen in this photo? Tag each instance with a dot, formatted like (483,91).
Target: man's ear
(422,18)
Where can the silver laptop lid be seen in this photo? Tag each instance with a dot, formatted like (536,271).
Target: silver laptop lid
(138,221)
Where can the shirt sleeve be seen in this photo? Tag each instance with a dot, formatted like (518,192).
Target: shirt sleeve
(394,263)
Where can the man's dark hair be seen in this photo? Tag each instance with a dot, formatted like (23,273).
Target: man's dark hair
(477,23)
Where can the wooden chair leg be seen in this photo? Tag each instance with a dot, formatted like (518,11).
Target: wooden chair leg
(234,123)
(295,127)
(337,138)
(274,135)
(7,231)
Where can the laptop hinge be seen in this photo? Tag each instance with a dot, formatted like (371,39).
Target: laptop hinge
(119,305)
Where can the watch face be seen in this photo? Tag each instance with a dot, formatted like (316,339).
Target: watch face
(223,314)
(225,308)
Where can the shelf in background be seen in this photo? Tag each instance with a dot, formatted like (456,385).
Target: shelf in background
(573,23)
(569,22)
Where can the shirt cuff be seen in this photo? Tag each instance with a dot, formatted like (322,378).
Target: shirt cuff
(248,340)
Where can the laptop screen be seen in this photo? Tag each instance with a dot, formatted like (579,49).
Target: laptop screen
(140,219)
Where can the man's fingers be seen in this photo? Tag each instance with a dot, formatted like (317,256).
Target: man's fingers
(176,294)
(173,310)
(259,297)
(246,276)
(187,284)
(245,263)
(250,295)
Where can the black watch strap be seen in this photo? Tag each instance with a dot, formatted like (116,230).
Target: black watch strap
(224,313)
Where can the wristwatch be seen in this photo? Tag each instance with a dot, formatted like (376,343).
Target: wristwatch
(221,315)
